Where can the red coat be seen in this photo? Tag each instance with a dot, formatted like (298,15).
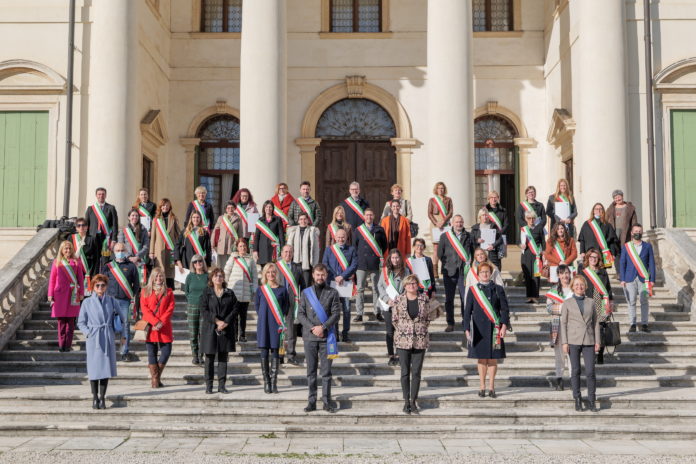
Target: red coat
(285,204)
(404,243)
(148,304)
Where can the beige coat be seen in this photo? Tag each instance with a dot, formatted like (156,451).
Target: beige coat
(579,328)
(226,244)
(163,257)
(238,282)
(306,252)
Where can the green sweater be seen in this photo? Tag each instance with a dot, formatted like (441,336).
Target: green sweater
(194,286)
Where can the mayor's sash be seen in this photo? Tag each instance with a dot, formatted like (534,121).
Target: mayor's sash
(274,307)
(490,313)
(607,257)
(201,210)
(331,339)
(640,267)
(286,270)
(352,204)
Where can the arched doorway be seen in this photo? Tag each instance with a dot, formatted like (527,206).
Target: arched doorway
(217,159)
(496,163)
(355,145)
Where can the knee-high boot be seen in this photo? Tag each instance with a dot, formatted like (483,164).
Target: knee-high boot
(103,383)
(266,375)
(94,384)
(159,375)
(274,375)
(209,368)
(222,376)
(154,370)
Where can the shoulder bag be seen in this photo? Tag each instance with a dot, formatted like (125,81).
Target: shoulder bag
(142,327)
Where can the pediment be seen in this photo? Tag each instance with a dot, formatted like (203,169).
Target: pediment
(153,128)
(678,77)
(562,127)
(28,77)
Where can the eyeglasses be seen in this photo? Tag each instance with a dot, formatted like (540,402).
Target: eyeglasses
(594,257)
(99,285)
(218,276)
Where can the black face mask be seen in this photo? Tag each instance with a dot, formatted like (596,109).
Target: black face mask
(637,236)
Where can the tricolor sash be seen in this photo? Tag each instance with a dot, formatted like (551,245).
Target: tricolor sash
(143,212)
(331,339)
(201,210)
(340,257)
(79,249)
(562,198)
(101,218)
(496,220)
(265,230)
(284,217)
(195,243)
(640,267)
(439,202)
(352,204)
(70,272)
(241,212)
(490,313)
(370,239)
(559,252)
(555,296)
(607,257)
(305,207)
(142,274)
(227,223)
(389,279)
(121,279)
(162,229)
(423,285)
(474,272)
(130,236)
(536,250)
(286,270)
(527,206)
(597,284)
(459,248)
(332,231)
(246,270)
(274,307)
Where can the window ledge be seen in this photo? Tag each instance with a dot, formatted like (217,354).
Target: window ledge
(355,35)
(498,34)
(207,35)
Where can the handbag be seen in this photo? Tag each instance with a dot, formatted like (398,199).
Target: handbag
(142,327)
(414,229)
(609,332)
(433,308)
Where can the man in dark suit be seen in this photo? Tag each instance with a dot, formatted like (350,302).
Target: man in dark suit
(286,265)
(315,334)
(369,262)
(355,206)
(453,265)
(96,229)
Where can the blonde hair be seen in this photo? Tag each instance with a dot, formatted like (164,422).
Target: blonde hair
(336,210)
(189,227)
(482,212)
(411,278)
(439,184)
(147,290)
(200,189)
(64,244)
(493,193)
(581,279)
(558,190)
(529,189)
(195,258)
(266,268)
(396,186)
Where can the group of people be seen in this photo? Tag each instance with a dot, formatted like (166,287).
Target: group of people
(306,289)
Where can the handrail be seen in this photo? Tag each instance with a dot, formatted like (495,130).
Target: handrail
(24,281)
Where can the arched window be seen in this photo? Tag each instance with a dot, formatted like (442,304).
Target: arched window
(221,15)
(355,118)
(218,159)
(356,15)
(492,15)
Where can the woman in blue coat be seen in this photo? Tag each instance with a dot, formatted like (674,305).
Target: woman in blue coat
(270,324)
(96,321)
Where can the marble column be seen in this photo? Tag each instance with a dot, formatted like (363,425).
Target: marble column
(262,97)
(114,159)
(450,144)
(601,158)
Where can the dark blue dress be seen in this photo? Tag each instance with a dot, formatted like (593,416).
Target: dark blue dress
(475,320)
(267,335)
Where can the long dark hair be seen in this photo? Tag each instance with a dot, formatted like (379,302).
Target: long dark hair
(401,269)
(562,268)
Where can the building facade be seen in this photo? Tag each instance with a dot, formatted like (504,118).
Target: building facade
(481,94)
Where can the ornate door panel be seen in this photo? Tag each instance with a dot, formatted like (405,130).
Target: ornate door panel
(376,172)
(335,170)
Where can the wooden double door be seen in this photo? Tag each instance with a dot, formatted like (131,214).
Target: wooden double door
(340,162)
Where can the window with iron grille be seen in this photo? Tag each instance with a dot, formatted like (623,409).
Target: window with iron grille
(221,15)
(492,15)
(356,15)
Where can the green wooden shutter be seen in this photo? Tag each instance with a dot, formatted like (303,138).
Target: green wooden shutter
(684,167)
(23,167)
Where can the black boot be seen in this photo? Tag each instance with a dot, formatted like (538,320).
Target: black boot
(195,359)
(103,383)
(221,386)
(266,375)
(222,376)
(274,375)
(578,404)
(600,355)
(592,406)
(559,384)
(94,384)
(209,387)
(554,384)
(407,407)
(208,371)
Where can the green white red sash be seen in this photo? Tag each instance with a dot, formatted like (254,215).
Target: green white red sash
(352,204)
(536,250)
(142,274)
(340,257)
(79,247)
(597,284)
(229,227)
(527,206)
(490,313)
(70,272)
(143,212)
(555,296)
(370,239)
(130,236)
(265,230)
(162,229)
(195,243)
(459,248)
(246,270)
(389,279)
(439,202)
(607,257)
(241,212)
(640,267)
(305,207)
(286,270)
(332,231)
(559,252)
(101,218)
(284,217)
(496,220)
(274,307)
(121,279)
(562,198)
(201,210)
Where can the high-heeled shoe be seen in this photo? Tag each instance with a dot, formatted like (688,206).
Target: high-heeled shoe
(482,393)
(492,394)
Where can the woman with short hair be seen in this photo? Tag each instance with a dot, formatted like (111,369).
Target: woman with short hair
(242,278)
(203,207)
(196,282)
(440,210)
(493,250)
(397,194)
(65,292)
(530,204)
(389,287)
(555,297)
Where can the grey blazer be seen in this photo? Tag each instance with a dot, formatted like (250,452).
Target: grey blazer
(579,328)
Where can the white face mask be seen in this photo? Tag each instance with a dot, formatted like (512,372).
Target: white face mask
(597,216)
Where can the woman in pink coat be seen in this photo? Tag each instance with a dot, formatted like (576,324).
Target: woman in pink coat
(65,292)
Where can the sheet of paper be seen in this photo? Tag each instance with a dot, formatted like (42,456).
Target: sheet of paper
(420,268)
(488,236)
(385,306)
(145,222)
(523,238)
(553,274)
(253,218)
(180,276)
(392,292)
(345,290)
(562,209)
(439,231)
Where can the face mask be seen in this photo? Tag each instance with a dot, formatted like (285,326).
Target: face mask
(637,236)
(120,254)
(597,216)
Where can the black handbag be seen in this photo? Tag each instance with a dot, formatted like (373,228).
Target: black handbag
(610,332)
(414,229)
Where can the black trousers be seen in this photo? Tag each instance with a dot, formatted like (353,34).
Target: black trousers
(530,282)
(411,362)
(210,366)
(242,317)
(451,283)
(390,331)
(315,356)
(588,355)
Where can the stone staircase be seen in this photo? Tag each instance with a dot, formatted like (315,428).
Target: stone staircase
(645,388)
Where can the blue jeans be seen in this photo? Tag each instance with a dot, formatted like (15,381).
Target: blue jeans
(345,302)
(123,309)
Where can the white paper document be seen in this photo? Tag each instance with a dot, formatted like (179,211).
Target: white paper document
(439,231)
(145,222)
(392,293)
(523,238)
(253,218)
(488,236)
(553,274)
(420,268)
(180,276)
(562,209)
(345,290)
